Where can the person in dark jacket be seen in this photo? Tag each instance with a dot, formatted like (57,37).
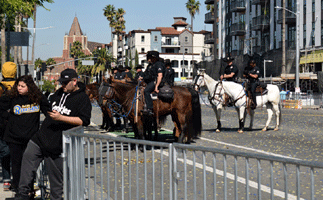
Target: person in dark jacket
(231,71)
(139,72)
(71,107)
(127,72)
(153,73)
(24,102)
(119,75)
(169,73)
(252,74)
(9,73)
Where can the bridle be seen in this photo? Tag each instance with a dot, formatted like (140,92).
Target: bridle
(217,96)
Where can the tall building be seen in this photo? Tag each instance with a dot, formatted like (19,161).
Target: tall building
(182,46)
(249,27)
(75,34)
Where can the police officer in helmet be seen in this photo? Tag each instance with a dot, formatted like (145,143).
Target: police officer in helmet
(153,76)
(231,71)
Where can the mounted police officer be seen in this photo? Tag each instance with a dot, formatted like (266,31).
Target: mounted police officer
(153,77)
(231,71)
(139,72)
(119,75)
(127,72)
(169,73)
(252,73)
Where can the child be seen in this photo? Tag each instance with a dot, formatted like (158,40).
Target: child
(24,102)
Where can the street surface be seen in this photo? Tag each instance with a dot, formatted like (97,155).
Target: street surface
(300,137)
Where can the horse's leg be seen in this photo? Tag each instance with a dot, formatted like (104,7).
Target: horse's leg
(217,110)
(270,115)
(252,115)
(276,110)
(155,130)
(241,117)
(183,137)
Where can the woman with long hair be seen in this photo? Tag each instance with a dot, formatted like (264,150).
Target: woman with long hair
(24,103)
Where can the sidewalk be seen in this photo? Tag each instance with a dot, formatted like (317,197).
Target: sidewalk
(5,195)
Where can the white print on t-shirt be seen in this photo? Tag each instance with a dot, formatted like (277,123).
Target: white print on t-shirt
(61,108)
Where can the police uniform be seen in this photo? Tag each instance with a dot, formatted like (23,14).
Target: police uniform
(129,74)
(139,74)
(169,74)
(150,76)
(253,82)
(119,75)
(228,70)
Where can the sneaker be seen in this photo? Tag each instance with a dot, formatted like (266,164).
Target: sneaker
(6,186)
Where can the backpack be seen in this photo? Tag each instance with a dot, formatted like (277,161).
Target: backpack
(166,93)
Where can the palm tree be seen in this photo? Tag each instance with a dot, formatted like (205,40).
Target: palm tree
(103,57)
(119,25)
(50,61)
(210,8)
(38,63)
(76,50)
(193,7)
(109,12)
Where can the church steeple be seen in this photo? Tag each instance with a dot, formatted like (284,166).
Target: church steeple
(75,28)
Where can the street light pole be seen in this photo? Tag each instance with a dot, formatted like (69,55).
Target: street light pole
(265,68)
(297,88)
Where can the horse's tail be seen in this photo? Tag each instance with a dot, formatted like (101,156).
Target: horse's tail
(280,112)
(196,120)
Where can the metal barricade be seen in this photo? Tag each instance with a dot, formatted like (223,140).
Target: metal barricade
(106,167)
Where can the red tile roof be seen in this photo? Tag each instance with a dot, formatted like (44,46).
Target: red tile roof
(180,23)
(168,31)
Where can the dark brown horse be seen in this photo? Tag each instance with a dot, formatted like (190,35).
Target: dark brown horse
(107,119)
(185,109)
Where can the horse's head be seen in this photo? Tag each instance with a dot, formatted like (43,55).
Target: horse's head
(92,90)
(199,79)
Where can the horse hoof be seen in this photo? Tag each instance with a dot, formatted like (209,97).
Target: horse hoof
(264,129)
(276,129)
(218,130)
(240,131)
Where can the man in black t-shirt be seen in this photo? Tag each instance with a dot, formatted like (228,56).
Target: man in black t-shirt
(154,72)
(252,74)
(127,72)
(231,71)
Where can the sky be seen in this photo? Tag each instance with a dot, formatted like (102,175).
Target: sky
(140,14)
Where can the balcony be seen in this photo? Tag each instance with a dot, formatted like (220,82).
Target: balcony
(260,23)
(258,2)
(209,2)
(209,18)
(238,6)
(290,17)
(236,52)
(238,29)
(170,44)
(209,39)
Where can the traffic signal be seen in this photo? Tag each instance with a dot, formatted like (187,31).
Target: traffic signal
(43,68)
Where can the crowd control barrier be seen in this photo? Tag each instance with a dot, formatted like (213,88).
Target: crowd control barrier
(105,167)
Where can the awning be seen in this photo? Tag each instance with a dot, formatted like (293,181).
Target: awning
(314,57)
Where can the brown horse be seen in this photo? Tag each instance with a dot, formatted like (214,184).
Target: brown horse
(185,109)
(92,90)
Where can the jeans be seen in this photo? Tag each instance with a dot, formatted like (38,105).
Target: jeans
(5,160)
(16,152)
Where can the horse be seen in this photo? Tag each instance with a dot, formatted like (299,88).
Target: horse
(185,109)
(237,93)
(92,90)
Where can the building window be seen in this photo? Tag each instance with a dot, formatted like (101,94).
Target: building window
(156,38)
(322,31)
(142,50)
(186,50)
(70,50)
(313,34)
(186,39)
(304,35)
(143,38)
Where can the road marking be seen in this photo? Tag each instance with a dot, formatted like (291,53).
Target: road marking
(247,148)
(252,184)
(242,180)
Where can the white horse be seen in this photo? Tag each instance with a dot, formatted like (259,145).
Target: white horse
(236,92)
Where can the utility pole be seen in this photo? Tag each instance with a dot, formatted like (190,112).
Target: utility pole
(215,29)
(283,39)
